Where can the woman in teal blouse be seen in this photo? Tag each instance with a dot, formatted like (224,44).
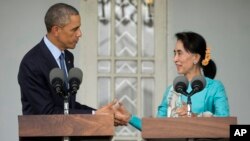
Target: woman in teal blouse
(192,58)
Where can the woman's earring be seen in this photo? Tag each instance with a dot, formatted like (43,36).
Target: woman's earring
(195,62)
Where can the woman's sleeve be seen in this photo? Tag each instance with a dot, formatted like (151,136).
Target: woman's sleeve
(162,108)
(135,122)
(162,112)
(221,101)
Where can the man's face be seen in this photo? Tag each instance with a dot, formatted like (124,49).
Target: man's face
(69,34)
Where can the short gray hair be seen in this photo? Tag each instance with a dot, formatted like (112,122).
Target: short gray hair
(59,14)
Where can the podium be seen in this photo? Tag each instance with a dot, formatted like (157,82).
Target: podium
(76,126)
(187,128)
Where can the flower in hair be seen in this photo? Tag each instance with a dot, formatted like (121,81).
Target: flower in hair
(207,58)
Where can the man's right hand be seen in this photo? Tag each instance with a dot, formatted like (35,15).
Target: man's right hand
(107,109)
(122,116)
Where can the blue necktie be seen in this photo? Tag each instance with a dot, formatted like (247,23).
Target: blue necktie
(64,70)
(66,86)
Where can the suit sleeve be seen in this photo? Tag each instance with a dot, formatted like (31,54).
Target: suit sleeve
(82,109)
(78,108)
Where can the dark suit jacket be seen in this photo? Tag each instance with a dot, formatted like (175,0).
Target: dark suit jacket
(37,95)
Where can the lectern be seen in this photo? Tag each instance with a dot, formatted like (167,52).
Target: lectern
(187,128)
(76,126)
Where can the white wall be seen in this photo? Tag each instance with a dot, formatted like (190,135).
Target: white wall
(225,24)
(21,27)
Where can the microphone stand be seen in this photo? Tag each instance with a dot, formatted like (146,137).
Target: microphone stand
(189,103)
(66,104)
(189,111)
(66,111)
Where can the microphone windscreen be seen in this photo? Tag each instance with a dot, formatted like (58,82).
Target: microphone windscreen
(56,73)
(75,73)
(180,81)
(198,82)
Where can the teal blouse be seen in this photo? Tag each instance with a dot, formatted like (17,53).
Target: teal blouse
(212,99)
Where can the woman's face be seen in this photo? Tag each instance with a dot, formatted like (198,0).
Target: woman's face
(184,61)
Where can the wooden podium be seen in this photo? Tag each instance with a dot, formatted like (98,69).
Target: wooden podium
(187,128)
(81,127)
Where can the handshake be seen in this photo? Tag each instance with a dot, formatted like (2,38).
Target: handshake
(116,108)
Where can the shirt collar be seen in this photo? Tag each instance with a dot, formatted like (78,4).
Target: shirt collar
(56,52)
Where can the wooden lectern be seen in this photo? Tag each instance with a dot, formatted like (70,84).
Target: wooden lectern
(80,127)
(187,128)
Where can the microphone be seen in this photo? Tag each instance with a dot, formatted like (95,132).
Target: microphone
(181,84)
(75,79)
(198,83)
(56,76)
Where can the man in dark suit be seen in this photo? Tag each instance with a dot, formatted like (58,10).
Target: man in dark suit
(37,95)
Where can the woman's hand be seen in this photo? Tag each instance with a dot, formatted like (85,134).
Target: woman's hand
(183,111)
